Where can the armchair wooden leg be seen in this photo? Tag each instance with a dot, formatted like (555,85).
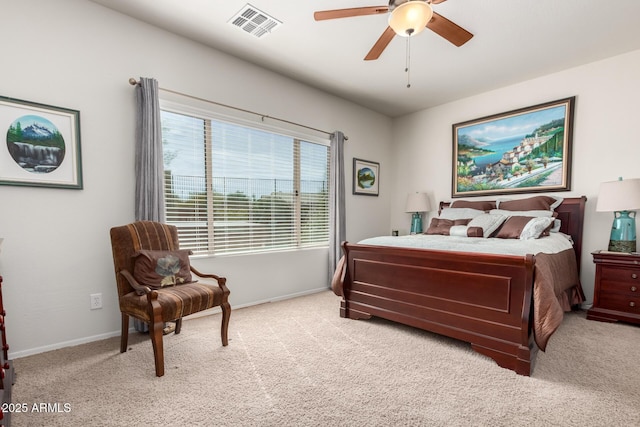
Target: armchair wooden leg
(124,335)
(226,314)
(155,331)
(156,327)
(178,325)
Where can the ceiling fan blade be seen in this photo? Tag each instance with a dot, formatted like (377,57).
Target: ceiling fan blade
(437,1)
(447,29)
(346,13)
(381,44)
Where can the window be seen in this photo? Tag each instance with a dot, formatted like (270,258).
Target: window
(233,189)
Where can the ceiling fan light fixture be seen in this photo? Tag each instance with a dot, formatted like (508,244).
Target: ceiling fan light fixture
(410,18)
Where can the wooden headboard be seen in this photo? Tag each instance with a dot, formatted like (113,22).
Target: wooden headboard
(571,216)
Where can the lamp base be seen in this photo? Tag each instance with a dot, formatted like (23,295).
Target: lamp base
(623,232)
(416,223)
(627,246)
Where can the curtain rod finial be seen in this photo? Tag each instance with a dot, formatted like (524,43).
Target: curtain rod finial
(132,81)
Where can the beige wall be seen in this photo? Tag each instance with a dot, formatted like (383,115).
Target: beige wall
(56,252)
(605,140)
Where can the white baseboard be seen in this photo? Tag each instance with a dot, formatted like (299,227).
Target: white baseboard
(279,298)
(56,346)
(71,343)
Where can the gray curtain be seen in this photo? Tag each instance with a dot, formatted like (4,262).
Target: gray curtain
(337,220)
(149,161)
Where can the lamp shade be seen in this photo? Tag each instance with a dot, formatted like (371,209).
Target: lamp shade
(417,202)
(410,18)
(621,195)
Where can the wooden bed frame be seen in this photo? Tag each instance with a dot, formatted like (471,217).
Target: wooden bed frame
(483,299)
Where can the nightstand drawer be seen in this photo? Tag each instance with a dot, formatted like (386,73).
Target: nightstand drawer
(619,302)
(629,288)
(617,274)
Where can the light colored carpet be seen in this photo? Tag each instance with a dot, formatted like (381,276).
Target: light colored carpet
(297,363)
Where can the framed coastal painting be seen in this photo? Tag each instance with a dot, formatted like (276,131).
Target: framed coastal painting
(366,177)
(39,145)
(520,151)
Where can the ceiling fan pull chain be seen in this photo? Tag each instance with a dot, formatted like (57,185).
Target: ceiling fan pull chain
(408,62)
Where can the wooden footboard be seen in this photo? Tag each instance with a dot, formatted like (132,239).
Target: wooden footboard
(482,299)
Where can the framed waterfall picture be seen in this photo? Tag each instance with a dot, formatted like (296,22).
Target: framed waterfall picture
(520,151)
(39,145)
(366,177)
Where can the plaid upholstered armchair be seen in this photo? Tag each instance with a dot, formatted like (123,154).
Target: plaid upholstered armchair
(155,284)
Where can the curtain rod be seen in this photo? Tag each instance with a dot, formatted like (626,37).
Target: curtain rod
(134,82)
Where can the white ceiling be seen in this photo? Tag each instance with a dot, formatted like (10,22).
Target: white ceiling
(514,40)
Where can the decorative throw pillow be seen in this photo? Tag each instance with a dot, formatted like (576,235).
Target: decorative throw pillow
(460,213)
(483,205)
(512,227)
(466,231)
(532,213)
(443,226)
(158,269)
(536,228)
(530,203)
(475,232)
(488,222)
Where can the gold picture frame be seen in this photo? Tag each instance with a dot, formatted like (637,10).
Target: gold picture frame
(520,151)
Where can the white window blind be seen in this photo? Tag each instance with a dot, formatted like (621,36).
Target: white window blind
(232,189)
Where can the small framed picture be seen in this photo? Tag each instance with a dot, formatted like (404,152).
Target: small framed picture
(39,145)
(366,177)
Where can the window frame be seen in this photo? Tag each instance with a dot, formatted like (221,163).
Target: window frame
(293,132)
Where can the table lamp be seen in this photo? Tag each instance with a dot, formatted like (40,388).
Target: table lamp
(621,197)
(416,204)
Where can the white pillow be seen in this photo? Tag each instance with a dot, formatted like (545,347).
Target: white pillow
(459,213)
(535,227)
(522,213)
(488,221)
(557,203)
(458,230)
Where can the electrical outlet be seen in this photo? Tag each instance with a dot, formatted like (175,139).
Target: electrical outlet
(95,301)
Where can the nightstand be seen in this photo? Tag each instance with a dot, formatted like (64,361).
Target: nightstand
(616,295)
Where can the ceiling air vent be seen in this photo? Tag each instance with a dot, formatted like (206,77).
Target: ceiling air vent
(254,21)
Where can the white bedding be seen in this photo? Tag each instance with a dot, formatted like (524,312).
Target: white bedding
(554,243)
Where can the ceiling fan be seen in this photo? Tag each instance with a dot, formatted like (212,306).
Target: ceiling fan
(407,18)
